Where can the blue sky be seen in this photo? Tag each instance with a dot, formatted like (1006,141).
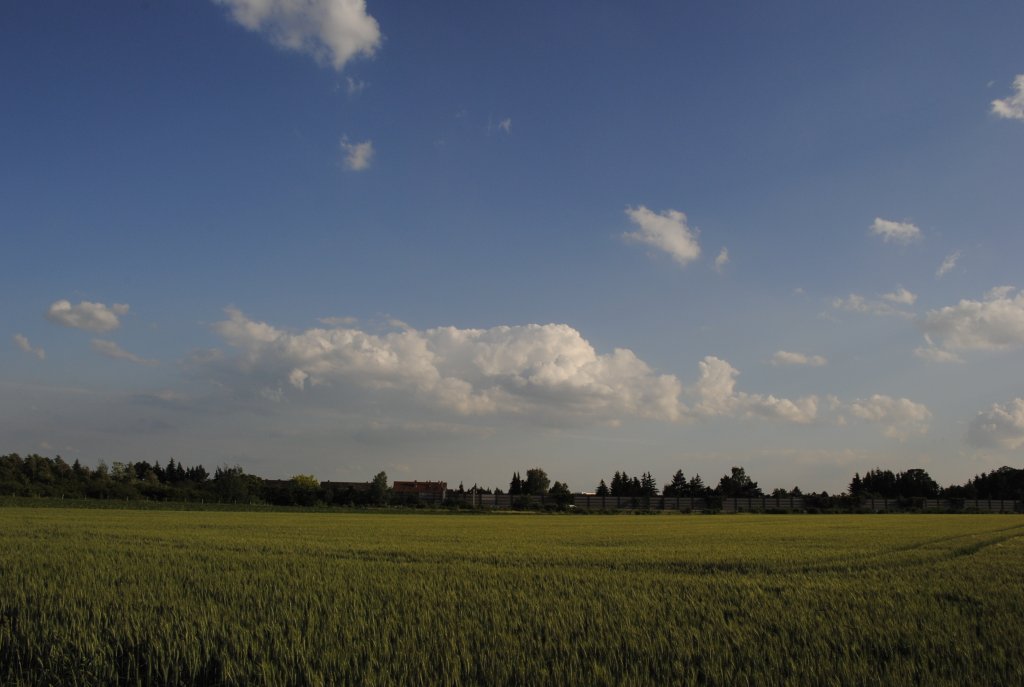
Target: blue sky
(453,240)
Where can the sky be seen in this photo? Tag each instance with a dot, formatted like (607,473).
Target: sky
(454,240)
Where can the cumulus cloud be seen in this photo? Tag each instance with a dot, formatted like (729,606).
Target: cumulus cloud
(895,232)
(947,264)
(548,373)
(1011,107)
(667,231)
(93,317)
(1000,426)
(857,303)
(722,260)
(357,155)
(511,370)
(331,31)
(901,417)
(994,323)
(112,350)
(716,390)
(901,296)
(24,344)
(790,358)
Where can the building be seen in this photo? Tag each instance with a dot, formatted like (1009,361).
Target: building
(425,492)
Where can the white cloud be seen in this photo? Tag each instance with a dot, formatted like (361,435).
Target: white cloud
(896,232)
(1013,106)
(505,125)
(722,260)
(511,370)
(994,323)
(24,344)
(901,296)
(900,416)
(947,264)
(790,358)
(357,155)
(94,317)
(546,372)
(716,390)
(934,354)
(667,231)
(112,350)
(857,303)
(331,31)
(1000,426)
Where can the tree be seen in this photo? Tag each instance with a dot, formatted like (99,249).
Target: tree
(695,487)
(648,486)
(916,483)
(602,489)
(379,490)
(677,487)
(620,484)
(737,485)
(305,490)
(561,494)
(880,483)
(856,487)
(233,485)
(515,487)
(537,482)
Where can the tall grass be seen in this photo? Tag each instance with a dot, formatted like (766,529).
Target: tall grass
(163,598)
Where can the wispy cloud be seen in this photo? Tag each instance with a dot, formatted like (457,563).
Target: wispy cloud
(1001,426)
(947,264)
(722,260)
(24,344)
(895,232)
(357,155)
(1011,107)
(900,296)
(505,125)
(331,31)
(934,354)
(112,350)
(667,231)
(354,86)
(858,303)
(93,317)
(792,358)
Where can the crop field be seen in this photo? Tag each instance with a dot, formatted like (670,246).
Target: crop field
(98,597)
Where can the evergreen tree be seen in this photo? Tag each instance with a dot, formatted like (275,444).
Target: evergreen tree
(677,486)
(648,486)
(695,487)
(856,487)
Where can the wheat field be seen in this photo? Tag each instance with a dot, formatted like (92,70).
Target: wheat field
(102,597)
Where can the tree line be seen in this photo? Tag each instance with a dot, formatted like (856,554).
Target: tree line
(35,475)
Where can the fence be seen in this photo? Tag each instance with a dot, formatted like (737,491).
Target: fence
(756,504)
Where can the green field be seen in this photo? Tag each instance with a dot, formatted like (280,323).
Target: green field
(97,597)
